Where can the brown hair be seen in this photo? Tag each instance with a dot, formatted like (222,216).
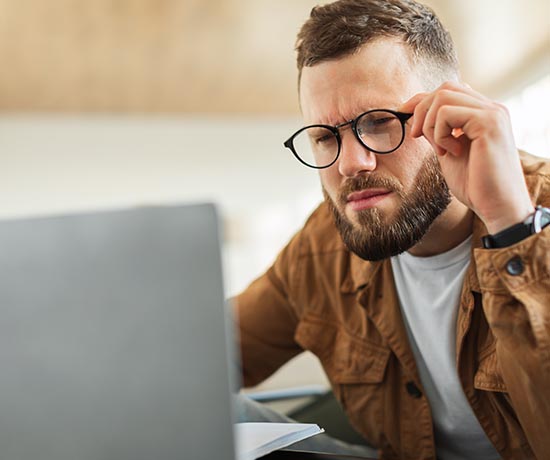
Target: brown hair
(339,29)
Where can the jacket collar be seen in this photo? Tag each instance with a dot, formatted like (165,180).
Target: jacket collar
(479,229)
(360,275)
(362,272)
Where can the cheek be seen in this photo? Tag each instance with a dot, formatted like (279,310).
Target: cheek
(413,158)
(330,180)
(405,172)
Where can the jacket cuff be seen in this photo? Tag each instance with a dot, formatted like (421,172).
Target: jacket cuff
(515,267)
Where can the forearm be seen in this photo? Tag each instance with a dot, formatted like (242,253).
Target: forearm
(266,324)
(515,285)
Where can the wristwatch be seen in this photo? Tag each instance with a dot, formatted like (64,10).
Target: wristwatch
(511,235)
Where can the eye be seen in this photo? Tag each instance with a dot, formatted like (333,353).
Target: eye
(381,121)
(324,138)
(320,136)
(376,123)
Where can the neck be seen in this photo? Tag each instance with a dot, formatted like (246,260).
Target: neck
(450,229)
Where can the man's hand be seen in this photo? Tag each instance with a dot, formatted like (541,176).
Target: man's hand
(473,139)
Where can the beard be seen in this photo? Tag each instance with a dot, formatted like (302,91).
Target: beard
(373,239)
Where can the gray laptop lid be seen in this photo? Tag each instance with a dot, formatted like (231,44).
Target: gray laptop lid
(113,339)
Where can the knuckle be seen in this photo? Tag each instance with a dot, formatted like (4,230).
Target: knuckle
(444,109)
(503,109)
(439,97)
(499,114)
(448,85)
(443,96)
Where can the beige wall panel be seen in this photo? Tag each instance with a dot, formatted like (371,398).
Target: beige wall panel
(218,56)
(147,55)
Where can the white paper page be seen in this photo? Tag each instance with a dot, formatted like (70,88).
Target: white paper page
(255,440)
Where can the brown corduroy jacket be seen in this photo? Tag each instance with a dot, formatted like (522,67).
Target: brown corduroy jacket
(318,296)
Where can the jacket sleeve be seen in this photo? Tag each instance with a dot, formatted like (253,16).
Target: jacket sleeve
(515,285)
(267,319)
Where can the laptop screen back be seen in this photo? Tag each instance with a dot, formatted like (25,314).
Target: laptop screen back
(113,338)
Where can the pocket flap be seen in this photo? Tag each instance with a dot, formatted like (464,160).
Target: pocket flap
(487,376)
(345,357)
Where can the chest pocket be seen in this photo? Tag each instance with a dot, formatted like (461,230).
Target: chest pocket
(487,376)
(345,358)
(355,368)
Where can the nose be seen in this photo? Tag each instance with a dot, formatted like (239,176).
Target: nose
(354,158)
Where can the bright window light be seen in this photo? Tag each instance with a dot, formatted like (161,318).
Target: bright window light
(530,120)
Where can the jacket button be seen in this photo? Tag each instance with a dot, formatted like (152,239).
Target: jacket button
(515,266)
(413,390)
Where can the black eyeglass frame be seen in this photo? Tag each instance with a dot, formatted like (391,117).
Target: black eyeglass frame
(402,117)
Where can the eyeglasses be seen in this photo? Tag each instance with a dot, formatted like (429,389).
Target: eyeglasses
(318,146)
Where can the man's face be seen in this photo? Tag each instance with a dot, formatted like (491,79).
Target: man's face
(383,204)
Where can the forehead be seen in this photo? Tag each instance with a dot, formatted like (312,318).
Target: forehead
(380,75)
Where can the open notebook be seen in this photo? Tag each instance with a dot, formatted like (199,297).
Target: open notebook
(254,440)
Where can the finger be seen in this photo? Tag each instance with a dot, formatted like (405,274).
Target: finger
(462,87)
(419,115)
(449,129)
(409,106)
(447,98)
(453,145)
(448,93)
(466,88)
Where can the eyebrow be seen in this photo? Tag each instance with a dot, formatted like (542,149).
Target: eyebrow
(360,112)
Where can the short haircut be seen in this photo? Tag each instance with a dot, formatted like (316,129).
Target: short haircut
(341,28)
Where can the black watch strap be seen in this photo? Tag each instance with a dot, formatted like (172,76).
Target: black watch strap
(514,234)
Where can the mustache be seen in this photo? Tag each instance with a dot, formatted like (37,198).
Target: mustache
(360,183)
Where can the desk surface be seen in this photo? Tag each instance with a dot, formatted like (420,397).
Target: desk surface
(301,455)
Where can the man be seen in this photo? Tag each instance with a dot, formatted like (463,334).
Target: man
(435,341)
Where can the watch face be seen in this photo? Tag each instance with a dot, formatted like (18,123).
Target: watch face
(541,219)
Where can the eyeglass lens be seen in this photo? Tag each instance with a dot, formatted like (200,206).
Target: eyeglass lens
(379,131)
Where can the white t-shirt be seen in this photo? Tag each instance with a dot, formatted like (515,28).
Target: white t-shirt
(429,291)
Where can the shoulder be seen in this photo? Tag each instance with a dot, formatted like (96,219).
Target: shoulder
(537,176)
(534,165)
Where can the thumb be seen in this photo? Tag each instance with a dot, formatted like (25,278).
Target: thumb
(410,105)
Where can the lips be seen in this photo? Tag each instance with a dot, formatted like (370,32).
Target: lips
(366,194)
(366,199)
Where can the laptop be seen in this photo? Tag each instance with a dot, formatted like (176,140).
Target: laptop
(114,344)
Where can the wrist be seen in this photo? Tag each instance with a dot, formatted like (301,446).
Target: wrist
(508,219)
(534,223)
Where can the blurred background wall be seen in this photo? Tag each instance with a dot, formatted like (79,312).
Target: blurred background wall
(113,103)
